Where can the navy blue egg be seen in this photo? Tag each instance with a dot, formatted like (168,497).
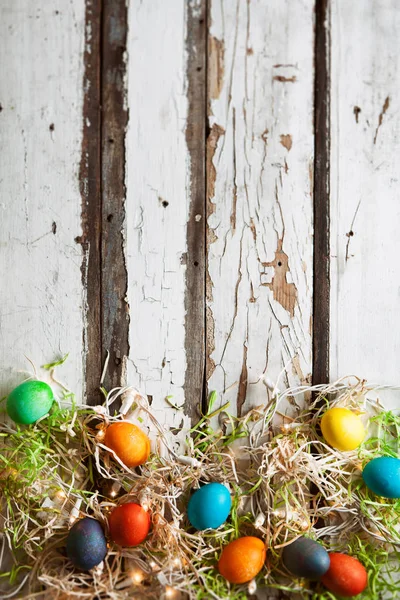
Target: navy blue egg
(86,544)
(382,476)
(306,558)
(209,506)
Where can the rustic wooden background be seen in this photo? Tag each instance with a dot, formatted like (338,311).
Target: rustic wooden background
(208,189)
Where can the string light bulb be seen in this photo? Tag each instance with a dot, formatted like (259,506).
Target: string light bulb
(170,592)
(136,576)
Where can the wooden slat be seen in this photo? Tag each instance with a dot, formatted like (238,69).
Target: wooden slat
(164,194)
(365,186)
(90,186)
(322,100)
(196,72)
(114,315)
(42,310)
(260,181)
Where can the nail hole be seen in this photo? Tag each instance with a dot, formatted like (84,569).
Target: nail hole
(196,264)
(164,203)
(110,218)
(201,21)
(279,263)
(54,227)
(117,361)
(51,126)
(199,68)
(351,233)
(78,240)
(110,140)
(1,108)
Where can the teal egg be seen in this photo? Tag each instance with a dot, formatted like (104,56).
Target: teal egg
(29,402)
(382,476)
(209,506)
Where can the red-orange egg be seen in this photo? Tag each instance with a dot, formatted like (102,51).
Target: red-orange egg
(129,524)
(242,559)
(346,576)
(129,443)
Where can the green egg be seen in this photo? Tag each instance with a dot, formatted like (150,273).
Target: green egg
(29,402)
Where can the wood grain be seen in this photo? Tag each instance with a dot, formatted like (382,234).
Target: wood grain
(260,182)
(365,185)
(42,312)
(322,101)
(114,307)
(90,186)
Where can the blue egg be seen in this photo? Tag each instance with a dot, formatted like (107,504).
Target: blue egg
(306,558)
(382,476)
(86,544)
(209,506)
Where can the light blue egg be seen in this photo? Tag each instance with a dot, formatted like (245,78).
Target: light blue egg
(209,506)
(382,476)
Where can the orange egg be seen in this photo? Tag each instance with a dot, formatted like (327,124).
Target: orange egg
(129,443)
(242,559)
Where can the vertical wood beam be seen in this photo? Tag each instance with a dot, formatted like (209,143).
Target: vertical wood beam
(114,306)
(90,185)
(196,46)
(321,292)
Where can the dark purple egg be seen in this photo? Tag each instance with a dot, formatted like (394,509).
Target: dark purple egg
(306,558)
(86,544)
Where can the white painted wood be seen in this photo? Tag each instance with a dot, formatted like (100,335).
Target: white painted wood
(365,187)
(41,94)
(260,209)
(157,205)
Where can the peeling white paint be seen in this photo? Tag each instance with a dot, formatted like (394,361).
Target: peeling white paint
(157,205)
(41,313)
(365,186)
(263,194)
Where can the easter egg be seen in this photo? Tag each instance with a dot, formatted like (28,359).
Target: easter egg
(86,544)
(129,524)
(29,402)
(242,559)
(382,476)
(346,576)
(306,558)
(209,506)
(129,443)
(342,429)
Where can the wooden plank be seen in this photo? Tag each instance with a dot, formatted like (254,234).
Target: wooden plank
(41,95)
(365,186)
(90,186)
(321,292)
(115,314)
(260,181)
(196,69)
(164,196)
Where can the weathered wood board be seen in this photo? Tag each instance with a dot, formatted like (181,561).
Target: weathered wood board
(260,183)
(365,212)
(42,299)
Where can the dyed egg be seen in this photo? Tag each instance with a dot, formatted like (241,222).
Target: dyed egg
(29,402)
(306,558)
(129,524)
(209,506)
(86,544)
(342,429)
(382,476)
(242,559)
(129,443)
(346,576)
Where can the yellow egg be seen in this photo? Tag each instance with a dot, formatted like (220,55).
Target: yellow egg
(342,429)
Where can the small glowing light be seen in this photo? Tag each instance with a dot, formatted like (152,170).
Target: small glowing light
(177,562)
(136,576)
(153,565)
(170,592)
